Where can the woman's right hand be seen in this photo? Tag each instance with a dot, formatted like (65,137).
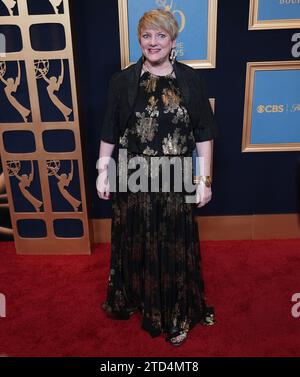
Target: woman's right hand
(102,185)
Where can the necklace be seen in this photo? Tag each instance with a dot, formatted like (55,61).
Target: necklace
(146,69)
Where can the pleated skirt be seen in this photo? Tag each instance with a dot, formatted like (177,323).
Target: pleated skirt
(155,265)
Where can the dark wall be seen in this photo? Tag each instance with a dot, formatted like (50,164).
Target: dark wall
(244,183)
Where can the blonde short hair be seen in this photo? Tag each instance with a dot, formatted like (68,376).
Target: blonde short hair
(159,19)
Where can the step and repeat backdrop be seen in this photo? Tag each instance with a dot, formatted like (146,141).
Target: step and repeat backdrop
(41,176)
(272,100)
(42,171)
(272,97)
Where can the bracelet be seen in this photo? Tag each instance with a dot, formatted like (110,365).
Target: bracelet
(206,179)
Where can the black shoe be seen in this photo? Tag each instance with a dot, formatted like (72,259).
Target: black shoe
(209,317)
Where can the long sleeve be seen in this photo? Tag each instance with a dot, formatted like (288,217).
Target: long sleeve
(110,126)
(206,128)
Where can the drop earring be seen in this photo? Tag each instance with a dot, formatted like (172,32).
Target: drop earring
(173,55)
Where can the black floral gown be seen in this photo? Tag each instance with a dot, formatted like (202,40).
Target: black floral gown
(155,256)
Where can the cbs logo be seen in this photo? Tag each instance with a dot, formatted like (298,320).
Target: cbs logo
(270,109)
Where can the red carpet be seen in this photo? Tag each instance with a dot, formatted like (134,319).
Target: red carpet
(53,305)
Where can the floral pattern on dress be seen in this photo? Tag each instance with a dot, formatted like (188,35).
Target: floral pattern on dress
(174,144)
(152,108)
(160,124)
(171,100)
(181,115)
(146,127)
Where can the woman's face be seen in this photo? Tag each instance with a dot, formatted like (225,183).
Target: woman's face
(156,45)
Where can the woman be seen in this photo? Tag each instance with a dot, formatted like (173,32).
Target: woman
(157,108)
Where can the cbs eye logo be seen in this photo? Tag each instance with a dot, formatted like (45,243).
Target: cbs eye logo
(270,109)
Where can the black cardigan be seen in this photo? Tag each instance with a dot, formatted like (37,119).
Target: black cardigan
(122,92)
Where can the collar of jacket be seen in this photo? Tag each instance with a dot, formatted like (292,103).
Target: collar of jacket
(135,76)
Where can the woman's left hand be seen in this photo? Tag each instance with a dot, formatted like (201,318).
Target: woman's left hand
(203,194)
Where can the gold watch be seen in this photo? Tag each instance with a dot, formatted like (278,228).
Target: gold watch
(206,179)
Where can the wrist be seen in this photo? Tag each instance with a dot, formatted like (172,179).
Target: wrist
(206,179)
(102,169)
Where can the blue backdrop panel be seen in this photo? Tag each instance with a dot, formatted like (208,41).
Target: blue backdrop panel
(192,39)
(278,10)
(276,107)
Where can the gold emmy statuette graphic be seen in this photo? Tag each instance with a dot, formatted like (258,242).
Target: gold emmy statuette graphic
(169,7)
(11,86)
(25,181)
(63,181)
(55,4)
(10,4)
(54,83)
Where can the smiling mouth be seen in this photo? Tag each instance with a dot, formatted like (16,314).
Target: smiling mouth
(153,50)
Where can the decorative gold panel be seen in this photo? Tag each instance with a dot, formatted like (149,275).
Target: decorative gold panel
(39,129)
